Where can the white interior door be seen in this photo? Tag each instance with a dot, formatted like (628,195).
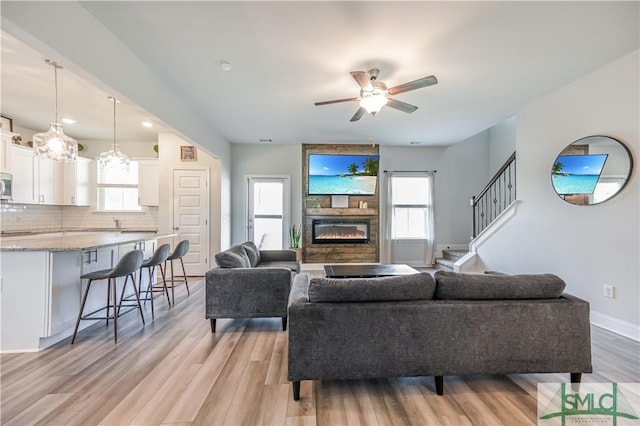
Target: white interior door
(268,208)
(191,217)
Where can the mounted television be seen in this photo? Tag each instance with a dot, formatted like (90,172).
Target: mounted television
(343,174)
(577,174)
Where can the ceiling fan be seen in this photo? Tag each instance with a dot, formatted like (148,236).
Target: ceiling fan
(374,94)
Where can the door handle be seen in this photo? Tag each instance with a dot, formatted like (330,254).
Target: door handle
(176,228)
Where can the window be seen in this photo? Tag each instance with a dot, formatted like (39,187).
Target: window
(606,188)
(410,207)
(118,191)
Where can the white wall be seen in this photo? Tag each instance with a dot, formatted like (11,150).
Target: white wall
(588,246)
(272,159)
(502,143)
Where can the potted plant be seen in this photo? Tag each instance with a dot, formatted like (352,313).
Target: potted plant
(294,240)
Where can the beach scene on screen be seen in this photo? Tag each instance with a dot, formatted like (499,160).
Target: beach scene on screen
(343,174)
(577,174)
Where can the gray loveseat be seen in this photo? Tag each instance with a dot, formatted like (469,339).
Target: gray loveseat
(250,283)
(414,326)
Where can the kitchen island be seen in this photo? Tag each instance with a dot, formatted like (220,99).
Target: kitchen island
(40,285)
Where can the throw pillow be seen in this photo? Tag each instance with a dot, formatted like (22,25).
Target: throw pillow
(235,257)
(452,285)
(252,252)
(384,289)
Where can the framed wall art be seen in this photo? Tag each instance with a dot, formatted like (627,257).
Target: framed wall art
(6,123)
(188,153)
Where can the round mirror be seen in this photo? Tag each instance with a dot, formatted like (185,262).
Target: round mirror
(591,170)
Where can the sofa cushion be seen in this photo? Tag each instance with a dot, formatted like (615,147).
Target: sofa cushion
(384,289)
(252,252)
(289,264)
(234,257)
(452,285)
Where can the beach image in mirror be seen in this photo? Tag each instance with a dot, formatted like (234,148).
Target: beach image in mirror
(577,174)
(343,174)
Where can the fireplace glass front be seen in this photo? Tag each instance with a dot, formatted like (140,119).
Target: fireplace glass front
(338,231)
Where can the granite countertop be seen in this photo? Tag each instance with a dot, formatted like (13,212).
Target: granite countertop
(74,240)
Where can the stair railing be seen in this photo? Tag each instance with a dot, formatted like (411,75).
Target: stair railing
(499,193)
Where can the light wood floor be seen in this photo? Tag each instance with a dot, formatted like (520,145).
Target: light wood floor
(175,371)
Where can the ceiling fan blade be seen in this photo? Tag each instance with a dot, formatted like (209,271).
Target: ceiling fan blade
(402,106)
(413,85)
(358,115)
(363,79)
(336,101)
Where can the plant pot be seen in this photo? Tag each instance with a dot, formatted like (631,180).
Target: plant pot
(298,253)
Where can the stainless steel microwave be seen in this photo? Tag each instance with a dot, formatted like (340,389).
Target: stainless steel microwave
(6,183)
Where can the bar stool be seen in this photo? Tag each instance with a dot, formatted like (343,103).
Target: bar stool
(180,251)
(159,257)
(126,267)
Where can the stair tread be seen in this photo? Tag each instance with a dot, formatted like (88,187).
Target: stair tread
(453,254)
(446,262)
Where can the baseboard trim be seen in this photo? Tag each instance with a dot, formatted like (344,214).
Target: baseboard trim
(615,325)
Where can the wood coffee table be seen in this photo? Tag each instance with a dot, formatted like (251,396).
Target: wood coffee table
(367,271)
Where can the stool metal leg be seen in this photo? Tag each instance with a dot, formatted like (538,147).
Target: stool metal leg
(108,299)
(149,290)
(163,272)
(115,313)
(184,273)
(173,285)
(135,290)
(84,301)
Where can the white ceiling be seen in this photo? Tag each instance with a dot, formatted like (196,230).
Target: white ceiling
(490,58)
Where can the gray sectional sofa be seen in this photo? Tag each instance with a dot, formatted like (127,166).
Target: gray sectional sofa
(250,283)
(457,324)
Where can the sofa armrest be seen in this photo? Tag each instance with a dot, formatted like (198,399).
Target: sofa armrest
(247,292)
(277,255)
(234,277)
(299,294)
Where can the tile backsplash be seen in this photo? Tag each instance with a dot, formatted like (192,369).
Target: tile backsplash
(27,217)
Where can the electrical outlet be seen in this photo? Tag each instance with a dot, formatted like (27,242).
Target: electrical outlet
(609,291)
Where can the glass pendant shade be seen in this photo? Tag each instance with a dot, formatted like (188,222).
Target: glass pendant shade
(54,144)
(113,161)
(373,101)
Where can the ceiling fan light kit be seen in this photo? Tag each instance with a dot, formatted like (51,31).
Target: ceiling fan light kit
(373,100)
(374,94)
(54,144)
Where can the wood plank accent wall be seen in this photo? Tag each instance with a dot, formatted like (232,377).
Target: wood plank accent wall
(319,207)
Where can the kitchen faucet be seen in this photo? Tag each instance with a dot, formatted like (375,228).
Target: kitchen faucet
(117,221)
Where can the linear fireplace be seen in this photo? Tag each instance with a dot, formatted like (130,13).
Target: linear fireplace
(340,231)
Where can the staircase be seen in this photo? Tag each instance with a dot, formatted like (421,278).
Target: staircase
(449,257)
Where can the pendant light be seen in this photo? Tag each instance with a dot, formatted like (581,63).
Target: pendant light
(54,144)
(113,159)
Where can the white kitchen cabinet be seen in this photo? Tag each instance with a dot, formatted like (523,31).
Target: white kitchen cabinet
(23,166)
(50,177)
(77,181)
(148,183)
(5,142)
(35,180)
(25,276)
